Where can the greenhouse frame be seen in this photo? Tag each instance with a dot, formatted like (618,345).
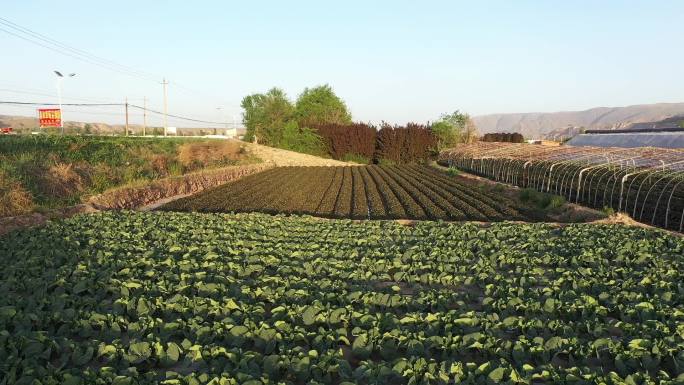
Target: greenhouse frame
(645,182)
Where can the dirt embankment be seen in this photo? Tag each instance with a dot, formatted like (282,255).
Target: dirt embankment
(280,157)
(133,197)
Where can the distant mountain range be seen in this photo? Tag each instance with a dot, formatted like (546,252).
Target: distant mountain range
(539,125)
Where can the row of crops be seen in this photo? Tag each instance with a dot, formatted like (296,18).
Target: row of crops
(646,183)
(359,192)
(187,298)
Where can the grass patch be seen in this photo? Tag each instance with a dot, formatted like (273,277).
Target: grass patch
(608,211)
(540,200)
(14,199)
(453,171)
(356,158)
(57,171)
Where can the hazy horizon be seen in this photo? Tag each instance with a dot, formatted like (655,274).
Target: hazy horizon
(391,61)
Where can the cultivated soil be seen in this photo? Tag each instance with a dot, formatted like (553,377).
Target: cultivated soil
(270,156)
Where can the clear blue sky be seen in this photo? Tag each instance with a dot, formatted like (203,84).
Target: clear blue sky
(397,61)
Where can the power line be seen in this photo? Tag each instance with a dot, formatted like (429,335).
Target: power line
(113,104)
(64,104)
(47,42)
(64,49)
(176,116)
(46,94)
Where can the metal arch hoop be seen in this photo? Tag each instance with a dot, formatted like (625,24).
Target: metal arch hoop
(643,205)
(669,200)
(660,196)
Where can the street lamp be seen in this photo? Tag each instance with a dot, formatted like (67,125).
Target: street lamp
(60,77)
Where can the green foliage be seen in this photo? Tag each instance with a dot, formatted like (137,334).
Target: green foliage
(88,165)
(273,120)
(266,115)
(608,211)
(301,139)
(319,106)
(356,158)
(681,123)
(447,133)
(453,128)
(541,200)
(168,298)
(453,171)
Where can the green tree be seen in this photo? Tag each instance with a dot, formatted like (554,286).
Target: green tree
(454,128)
(301,139)
(320,105)
(681,123)
(265,116)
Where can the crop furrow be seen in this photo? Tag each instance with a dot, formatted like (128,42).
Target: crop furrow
(469,196)
(373,196)
(393,207)
(412,208)
(360,208)
(440,197)
(344,198)
(424,201)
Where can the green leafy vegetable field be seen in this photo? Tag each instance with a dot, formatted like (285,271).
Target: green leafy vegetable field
(182,298)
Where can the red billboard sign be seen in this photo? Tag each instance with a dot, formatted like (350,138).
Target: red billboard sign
(50,117)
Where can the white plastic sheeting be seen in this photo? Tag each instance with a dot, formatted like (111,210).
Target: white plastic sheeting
(630,140)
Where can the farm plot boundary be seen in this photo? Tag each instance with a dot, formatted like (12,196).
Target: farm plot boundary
(361,192)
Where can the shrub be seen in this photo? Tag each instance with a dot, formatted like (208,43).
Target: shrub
(541,200)
(503,137)
(408,144)
(357,139)
(556,201)
(301,139)
(609,211)
(453,171)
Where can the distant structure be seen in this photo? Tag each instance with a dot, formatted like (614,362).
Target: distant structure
(667,133)
(629,138)
(231,132)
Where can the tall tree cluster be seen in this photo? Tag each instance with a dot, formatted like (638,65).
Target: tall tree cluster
(319,122)
(273,119)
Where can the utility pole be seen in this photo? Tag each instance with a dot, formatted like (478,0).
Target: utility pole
(126,115)
(144,114)
(164,82)
(59,96)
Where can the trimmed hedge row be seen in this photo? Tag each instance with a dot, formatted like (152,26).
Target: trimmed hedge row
(363,142)
(510,137)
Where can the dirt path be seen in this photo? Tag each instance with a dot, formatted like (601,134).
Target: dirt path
(280,157)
